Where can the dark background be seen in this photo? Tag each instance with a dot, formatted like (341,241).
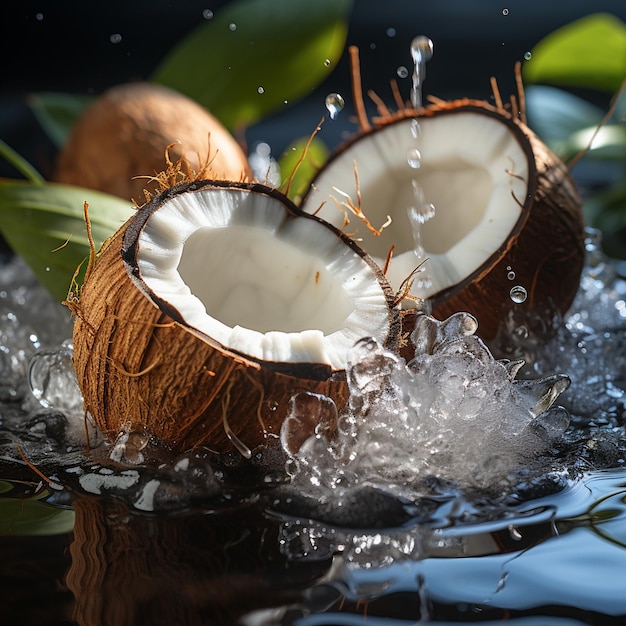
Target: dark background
(65,45)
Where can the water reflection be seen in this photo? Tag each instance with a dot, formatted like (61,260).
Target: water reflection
(556,560)
(195,569)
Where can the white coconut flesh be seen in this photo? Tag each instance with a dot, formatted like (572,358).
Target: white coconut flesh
(473,170)
(244,273)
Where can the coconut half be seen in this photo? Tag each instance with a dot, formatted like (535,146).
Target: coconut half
(212,306)
(507,214)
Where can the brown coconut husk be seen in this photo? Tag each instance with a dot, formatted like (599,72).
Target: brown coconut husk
(139,365)
(117,144)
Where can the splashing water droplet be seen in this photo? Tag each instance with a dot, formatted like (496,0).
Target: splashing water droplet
(518,294)
(528,56)
(52,379)
(115,38)
(414,158)
(422,214)
(505,11)
(327,62)
(334,103)
(39,17)
(402,72)
(207,14)
(261,89)
(391,32)
(232,26)
(511,275)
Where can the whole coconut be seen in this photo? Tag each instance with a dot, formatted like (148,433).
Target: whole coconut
(125,132)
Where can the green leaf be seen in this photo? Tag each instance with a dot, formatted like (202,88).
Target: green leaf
(589,52)
(607,143)
(57,113)
(554,114)
(29,516)
(255,55)
(315,157)
(44,224)
(606,210)
(20,163)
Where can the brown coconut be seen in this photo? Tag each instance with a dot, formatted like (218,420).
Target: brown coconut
(217,372)
(121,139)
(540,247)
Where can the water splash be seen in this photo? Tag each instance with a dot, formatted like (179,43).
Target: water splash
(453,414)
(453,411)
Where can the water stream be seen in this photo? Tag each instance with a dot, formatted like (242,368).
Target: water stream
(421,210)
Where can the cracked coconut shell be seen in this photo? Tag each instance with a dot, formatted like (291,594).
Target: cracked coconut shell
(212,306)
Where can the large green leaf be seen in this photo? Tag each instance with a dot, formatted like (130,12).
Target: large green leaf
(44,223)
(589,52)
(255,55)
(57,113)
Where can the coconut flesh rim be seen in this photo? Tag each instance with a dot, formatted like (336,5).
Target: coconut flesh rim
(240,269)
(473,169)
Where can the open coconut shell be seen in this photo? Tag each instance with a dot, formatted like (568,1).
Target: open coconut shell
(507,214)
(212,306)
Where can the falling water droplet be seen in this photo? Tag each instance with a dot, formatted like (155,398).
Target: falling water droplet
(422,49)
(327,62)
(511,275)
(416,129)
(39,17)
(232,26)
(402,72)
(505,11)
(414,158)
(261,89)
(207,14)
(334,104)
(391,32)
(421,52)
(518,294)
(115,38)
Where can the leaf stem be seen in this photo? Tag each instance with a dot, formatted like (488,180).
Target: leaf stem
(20,164)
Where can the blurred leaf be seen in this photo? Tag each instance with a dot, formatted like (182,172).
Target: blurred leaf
(57,113)
(44,224)
(255,55)
(315,157)
(555,114)
(609,143)
(20,164)
(29,516)
(589,52)
(606,210)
